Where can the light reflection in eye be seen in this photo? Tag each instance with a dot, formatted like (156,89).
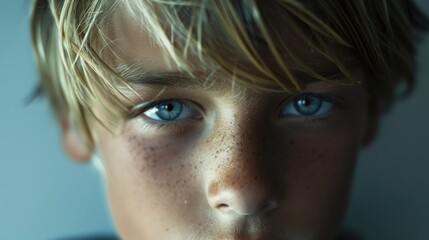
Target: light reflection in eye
(170,110)
(309,104)
(175,110)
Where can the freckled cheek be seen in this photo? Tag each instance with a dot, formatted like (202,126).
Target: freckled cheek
(168,166)
(315,159)
(317,172)
(323,156)
(159,177)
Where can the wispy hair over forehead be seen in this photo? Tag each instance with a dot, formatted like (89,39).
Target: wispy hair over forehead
(265,45)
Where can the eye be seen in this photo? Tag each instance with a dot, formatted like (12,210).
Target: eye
(309,104)
(170,110)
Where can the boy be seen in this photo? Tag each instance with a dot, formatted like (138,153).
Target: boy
(223,119)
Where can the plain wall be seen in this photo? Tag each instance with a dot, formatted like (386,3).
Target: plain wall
(44,195)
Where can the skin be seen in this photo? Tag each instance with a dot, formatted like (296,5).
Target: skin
(236,169)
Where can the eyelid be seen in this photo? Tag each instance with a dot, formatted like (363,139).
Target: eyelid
(142,107)
(336,100)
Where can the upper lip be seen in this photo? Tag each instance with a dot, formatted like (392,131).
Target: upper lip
(246,237)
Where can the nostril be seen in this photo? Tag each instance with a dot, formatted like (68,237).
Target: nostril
(268,207)
(222,206)
(244,208)
(254,199)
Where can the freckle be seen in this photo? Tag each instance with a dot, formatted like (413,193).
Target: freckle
(256,177)
(182,165)
(170,169)
(320,155)
(152,149)
(313,151)
(308,187)
(201,162)
(167,229)
(291,142)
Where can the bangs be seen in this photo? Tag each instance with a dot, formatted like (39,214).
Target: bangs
(270,46)
(276,46)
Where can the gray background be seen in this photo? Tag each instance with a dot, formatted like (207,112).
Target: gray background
(43,195)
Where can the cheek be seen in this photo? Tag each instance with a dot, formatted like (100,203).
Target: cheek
(149,180)
(317,171)
(321,159)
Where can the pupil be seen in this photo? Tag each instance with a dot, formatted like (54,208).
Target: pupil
(308,105)
(169,110)
(170,107)
(306,101)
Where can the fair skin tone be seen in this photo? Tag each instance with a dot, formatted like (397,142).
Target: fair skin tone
(214,164)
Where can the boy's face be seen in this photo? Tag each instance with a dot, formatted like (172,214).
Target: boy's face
(215,164)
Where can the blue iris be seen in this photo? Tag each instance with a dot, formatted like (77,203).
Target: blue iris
(307,104)
(169,110)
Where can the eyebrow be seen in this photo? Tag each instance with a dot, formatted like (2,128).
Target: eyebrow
(136,75)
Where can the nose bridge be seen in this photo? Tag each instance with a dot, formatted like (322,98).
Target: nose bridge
(239,182)
(239,146)
(240,141)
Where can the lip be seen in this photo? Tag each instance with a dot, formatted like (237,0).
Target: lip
(249,238)
(254,236)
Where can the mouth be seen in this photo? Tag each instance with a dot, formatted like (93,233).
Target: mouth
(246,234)
(260,237)
(248,228)
(239,235)
(247,237)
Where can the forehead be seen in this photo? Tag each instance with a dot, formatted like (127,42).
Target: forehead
(136,54)
(129,43)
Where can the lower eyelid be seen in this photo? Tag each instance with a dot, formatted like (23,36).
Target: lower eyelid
(291,106)
(157,128)
(186,106)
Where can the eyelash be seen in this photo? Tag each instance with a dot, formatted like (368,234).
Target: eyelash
(316,121)
(336,101)
(177,126)
(164,127)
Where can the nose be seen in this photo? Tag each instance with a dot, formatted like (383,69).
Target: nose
(241,197)
(240,183)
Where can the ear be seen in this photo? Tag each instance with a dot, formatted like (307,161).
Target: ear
(372,121)
(72,140)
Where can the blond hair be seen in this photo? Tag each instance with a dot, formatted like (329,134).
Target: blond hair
(377,35)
